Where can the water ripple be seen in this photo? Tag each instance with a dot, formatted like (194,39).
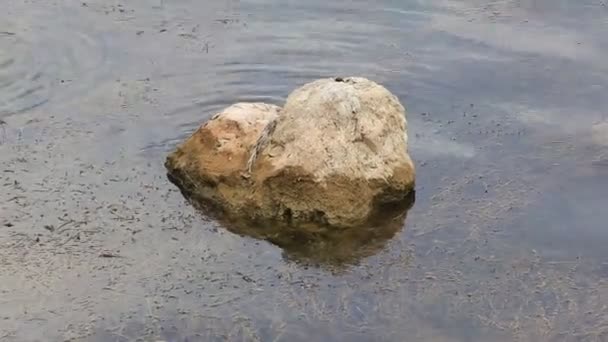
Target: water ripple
(39,65)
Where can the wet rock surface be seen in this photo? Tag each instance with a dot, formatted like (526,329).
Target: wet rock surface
(211,165)
(335,155)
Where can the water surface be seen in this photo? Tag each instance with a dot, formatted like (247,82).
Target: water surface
(508,128)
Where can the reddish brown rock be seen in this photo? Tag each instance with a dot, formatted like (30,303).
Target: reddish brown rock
(211,164)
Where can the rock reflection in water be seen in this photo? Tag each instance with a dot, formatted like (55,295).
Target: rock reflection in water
(313,244)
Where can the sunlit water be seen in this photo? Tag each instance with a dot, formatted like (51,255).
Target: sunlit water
(508,128)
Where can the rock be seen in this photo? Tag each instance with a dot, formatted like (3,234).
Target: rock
(335,156)
(209,166)
(339,151)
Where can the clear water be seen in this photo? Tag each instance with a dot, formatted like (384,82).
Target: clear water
(508,128)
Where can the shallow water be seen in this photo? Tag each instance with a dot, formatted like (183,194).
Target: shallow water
(508,128)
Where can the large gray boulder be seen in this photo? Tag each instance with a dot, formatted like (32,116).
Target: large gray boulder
(335,155)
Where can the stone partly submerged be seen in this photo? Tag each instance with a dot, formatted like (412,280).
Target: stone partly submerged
(334,156)
(330,247)
(210,166)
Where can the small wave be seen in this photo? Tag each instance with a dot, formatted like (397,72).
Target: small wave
(37,62)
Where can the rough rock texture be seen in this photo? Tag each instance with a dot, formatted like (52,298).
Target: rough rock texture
(339,150)
(334,155)
(210,165)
